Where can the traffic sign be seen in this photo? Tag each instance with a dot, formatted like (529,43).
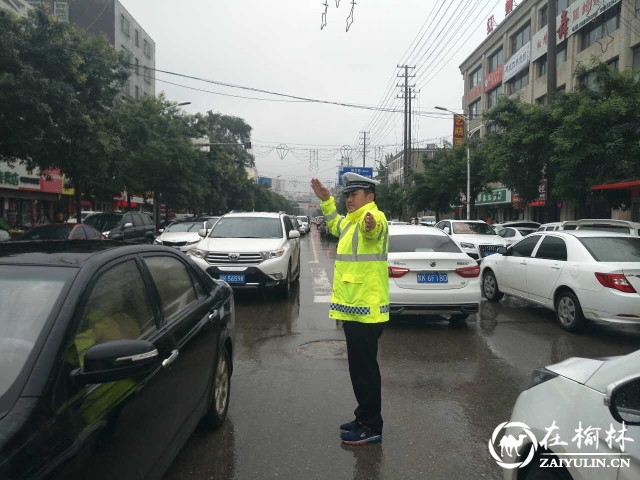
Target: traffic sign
(364,171)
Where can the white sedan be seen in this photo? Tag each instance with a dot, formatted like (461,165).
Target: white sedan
(575,412)
(430,275)
(182,236)
(512,235)
(581,275)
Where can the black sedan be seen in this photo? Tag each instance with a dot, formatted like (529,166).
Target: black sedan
(110,356)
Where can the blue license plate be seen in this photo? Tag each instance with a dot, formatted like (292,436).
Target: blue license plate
(433,278)
(235,278)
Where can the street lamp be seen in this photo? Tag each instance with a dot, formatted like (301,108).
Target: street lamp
(182,104)
(466,122)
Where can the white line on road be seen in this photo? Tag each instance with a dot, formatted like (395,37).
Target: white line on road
(321,286)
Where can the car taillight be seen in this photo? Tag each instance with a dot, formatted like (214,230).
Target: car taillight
(616,281)
(469,272)
(397,272)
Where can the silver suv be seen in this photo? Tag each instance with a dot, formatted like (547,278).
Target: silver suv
(251,250)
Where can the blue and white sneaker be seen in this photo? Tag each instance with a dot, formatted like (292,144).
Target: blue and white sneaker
(361,436)
(349,426)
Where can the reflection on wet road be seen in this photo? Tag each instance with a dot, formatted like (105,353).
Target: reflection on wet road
(444,389)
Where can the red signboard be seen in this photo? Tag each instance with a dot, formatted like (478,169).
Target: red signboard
(475,92)
(458,130)
(493,79)
(51,181)
(508,7)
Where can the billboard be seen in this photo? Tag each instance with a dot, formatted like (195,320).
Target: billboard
(458,130)
(265,181)
(364,171)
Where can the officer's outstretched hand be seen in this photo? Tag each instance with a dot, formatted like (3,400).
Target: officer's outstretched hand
(369,222)
(320,190)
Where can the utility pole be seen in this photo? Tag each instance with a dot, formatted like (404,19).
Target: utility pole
(407,119)
(364,148)
(409,135)
(551,90)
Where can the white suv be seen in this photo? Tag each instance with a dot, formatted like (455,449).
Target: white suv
(251,250)
(476,238)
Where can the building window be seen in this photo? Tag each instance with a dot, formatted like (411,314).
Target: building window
(495,60)
(137,92)
(520,39)
(493,96)
(474,109)
(614,64)
(124,25)
(146,48)
(541,66)
(476,77)
(561,5)
(542,17)
(520,81)
(137,38)
(542,100)
(137,66)
(561,57)
(604,25)
(147,75)
(636,58)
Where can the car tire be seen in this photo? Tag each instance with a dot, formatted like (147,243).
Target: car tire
(221,391)
(298,272)
(569,312)
(285,288)
(490,287)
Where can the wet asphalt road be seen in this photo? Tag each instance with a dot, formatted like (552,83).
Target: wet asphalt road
(444,389)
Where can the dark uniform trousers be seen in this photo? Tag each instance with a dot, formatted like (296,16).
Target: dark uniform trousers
(362,350)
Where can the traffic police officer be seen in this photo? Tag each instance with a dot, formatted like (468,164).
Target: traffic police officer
(360,296)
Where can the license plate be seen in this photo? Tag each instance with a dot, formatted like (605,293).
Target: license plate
(488,254)
(237,278)
(433,278)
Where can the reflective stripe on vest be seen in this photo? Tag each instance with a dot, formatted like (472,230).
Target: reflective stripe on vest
(384,308)
(351,310)
(330,217)
(362,257)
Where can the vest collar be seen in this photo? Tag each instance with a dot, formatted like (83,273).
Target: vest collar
(355,216)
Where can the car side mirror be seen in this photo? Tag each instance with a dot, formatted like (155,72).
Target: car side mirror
(447,230)
(117,360)
(623,400)
(502,250)
(128,225)
(161,230)
(294,234)
(202,232)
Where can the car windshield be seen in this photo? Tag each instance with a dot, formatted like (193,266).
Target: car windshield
(58,232)
(303,219)
(185,227)
(247,227)
(27,295)
(104,223)
(422,243)
(613,249)
(606,228)
(472,228)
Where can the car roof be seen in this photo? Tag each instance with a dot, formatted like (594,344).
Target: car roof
(415,230)
(56,225)
(604,221)
(255,214)
(464,221)
(585,234)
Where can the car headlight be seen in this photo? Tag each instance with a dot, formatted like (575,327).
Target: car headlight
(467,245)
(196,252)
(272,254)
(106,234)
(157,242)
(540,375)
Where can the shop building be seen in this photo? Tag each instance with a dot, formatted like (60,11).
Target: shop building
(512,60)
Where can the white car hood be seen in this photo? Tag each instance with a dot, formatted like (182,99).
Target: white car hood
(577,369)
(478,239)
(179,236)
(240,245)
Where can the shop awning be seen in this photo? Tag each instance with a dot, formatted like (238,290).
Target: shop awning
(618,185)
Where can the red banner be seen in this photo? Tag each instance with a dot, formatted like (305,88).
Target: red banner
(458,130)
(493,79)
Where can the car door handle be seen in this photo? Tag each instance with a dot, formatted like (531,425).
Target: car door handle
(170,359)
(213,314)
(523,263)
(556,267)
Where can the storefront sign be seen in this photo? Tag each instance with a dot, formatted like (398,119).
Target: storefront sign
(18,178)
(67,186)
(458,130)
(493,79)
(51,181)
(577,16)
(495,197)
(518,62)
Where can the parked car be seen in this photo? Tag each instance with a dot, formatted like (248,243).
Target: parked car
(304,226)
(618,226)
(397,222)
(515,234)
(182,236)
(550,227)
(428,220)
(252,250)
(4,236)
(212,219)
(576,399)
(581,275)
(430,275)
(111,355)
(84,214)
(63,231)
(128,227)
(475,237)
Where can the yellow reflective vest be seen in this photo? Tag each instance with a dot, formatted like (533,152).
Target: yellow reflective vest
(361,276)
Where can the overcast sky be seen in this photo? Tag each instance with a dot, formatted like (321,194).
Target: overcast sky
(278,45)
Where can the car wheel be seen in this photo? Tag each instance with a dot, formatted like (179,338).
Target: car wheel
(490,287)
(298,272)
(569,312)
(219,404)
(285,287)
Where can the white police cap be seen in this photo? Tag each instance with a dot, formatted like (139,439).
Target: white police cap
(353,181)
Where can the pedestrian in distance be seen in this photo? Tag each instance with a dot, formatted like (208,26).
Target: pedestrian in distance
(360,296)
